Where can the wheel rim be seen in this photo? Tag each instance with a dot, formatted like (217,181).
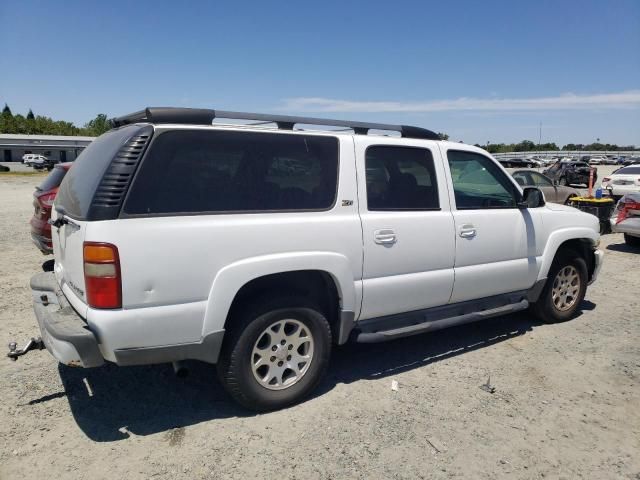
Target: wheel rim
(282,354)
(566,288)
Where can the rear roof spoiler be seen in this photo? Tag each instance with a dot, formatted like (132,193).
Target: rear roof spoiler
(201,116)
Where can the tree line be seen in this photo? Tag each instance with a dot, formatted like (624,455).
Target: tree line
(37,124)
(40,125)
(529,146)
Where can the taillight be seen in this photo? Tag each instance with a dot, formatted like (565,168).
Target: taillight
(47,199)
(102,275)
(625,208)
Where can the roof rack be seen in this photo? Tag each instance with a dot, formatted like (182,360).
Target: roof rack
(201,116)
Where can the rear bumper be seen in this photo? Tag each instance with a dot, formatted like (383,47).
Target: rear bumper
(630,225)
(72,342)
(64,332)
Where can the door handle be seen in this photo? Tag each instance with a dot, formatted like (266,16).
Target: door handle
(468,231)
(385,236)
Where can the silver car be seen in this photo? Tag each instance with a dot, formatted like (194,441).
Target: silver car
(552,191)
(626,219)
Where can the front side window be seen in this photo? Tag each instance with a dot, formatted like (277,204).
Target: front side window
(478,183)
(198,171)
(400,178)
(523,178)
(540,180)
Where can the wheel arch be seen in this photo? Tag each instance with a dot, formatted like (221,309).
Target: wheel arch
(581,241)
(327,277)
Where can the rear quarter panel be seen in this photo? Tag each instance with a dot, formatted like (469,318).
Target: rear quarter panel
(181,273)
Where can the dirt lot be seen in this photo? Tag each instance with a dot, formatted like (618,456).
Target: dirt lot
(566,404)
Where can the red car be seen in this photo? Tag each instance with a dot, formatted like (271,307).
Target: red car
(42,201)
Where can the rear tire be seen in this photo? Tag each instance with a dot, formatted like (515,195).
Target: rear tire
(631,240)
(276,353)
(565,289)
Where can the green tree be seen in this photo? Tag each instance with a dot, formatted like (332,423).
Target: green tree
(97,126)
(30,115)
(6,110)
(443,136)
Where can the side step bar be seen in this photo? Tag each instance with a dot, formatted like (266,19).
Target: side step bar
(429,326)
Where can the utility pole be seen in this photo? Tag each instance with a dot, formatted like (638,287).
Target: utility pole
(539,136)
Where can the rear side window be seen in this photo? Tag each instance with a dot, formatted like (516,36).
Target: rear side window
(53,180)
(79,185)
(400,178)
(198,171)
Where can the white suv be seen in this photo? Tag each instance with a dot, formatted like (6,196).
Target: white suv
(34,159)
(257,248)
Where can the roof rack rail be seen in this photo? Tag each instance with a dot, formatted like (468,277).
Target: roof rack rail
(201,116)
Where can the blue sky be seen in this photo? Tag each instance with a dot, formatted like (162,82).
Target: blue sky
(478,70)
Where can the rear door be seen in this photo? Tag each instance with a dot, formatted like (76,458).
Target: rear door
(68,242)
(407,227)
(73,202)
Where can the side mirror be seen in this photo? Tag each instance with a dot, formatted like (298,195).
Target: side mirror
(531,198)
(556,182)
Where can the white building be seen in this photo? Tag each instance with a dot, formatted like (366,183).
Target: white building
(56,148)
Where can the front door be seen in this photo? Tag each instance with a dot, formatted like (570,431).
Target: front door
(407,227)
(495,240)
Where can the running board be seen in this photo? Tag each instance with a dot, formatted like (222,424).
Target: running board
(432,325)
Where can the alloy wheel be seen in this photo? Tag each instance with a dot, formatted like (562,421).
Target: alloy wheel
(566,288)
(282,354)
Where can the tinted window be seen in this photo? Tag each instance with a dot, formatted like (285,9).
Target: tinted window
(523,178)
(478,183)
(400,178)
(190,171)
(540,180)
(53,180)
(627,171)
(79,185)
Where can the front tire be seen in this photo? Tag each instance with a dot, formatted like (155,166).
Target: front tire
(565,289)
(276,354)
(631,240)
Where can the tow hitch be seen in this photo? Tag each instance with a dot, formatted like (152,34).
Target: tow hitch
(33,344)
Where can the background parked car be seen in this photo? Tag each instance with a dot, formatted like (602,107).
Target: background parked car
(42,201)
(622,181)
(516,163)
(34,160)
(571,173)
(626,219)
(552,192)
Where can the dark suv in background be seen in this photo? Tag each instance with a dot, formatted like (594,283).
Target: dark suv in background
(571,173)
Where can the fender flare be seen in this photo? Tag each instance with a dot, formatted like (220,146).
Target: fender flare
(557,238)
(230,279)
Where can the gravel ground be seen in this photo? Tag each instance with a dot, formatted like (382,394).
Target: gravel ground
(566,400)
